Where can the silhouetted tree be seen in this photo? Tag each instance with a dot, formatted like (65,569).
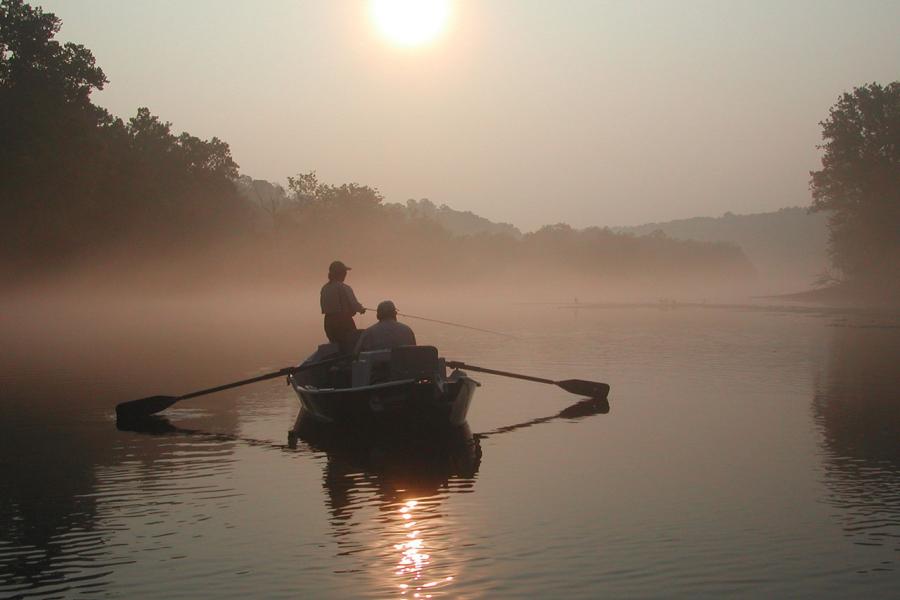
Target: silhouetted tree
(74,180)
(78,185)
(304,187)
(270,198)
(31,60)
(859,185)
(50,131)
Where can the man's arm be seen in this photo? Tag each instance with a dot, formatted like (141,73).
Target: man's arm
(354,303)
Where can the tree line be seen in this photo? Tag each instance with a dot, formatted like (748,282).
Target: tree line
(75,180)
(80,187)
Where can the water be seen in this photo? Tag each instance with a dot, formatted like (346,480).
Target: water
(746,451)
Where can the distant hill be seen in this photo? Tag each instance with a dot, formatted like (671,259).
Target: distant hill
(787,246)
(455,221)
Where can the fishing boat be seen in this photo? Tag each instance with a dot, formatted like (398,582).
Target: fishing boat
(407,386)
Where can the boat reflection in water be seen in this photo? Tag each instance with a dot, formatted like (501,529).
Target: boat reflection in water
(407,479)
(390,487)
(388,495)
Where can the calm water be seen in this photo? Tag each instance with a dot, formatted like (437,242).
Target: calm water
(746,451)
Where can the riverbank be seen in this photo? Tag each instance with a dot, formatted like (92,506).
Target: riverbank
(845,295)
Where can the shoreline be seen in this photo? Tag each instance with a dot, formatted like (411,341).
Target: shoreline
(841,296)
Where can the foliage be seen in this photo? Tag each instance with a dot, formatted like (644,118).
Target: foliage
(318,222)
(80,187)
(35,65)
(74,180)
(859,184)
(457,222)
(788,246)
(268,197)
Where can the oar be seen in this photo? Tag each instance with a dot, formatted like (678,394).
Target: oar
(143,407)
(591,389)
(453,324)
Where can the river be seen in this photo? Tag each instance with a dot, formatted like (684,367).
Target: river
(745,450)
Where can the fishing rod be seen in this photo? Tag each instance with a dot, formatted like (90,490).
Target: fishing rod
(452,324)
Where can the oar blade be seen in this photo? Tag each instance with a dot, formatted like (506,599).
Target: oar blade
(591,389)
(143,407)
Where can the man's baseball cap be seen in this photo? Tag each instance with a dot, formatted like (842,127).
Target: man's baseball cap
(386,309)
(338,267)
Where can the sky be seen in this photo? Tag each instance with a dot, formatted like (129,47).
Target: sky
(531,112)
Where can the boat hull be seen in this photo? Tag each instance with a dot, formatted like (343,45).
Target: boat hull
(406,403)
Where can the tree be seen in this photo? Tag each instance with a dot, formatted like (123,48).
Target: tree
(859,185)
(308,192)
(30,57)
(304,188)
(74,180)
(50,132)
(269,197)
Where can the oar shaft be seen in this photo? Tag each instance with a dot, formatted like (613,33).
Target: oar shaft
(144,407)
(280,373)
(461,365)
(228,386)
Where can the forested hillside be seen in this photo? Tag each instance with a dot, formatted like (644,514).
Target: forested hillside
(90,197)
(788,247)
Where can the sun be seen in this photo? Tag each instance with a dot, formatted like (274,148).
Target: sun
(410,22)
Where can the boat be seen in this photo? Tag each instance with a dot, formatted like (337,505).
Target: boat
(406,387)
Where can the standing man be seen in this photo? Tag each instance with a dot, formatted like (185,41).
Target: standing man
(339,304)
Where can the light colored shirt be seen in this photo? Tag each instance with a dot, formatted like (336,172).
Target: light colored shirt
(385,335)
(338,297)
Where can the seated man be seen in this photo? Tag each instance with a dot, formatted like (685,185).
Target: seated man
(387,333)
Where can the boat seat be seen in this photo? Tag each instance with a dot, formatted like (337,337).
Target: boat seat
(414,362)
(371,367)
(375,356)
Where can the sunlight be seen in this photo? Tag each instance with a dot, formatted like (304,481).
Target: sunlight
(410,22)
(414,560)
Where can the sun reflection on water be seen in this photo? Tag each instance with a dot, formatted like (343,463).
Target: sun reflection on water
(414,560)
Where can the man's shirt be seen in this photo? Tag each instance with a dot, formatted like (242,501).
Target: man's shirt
(337,297)
(385,335)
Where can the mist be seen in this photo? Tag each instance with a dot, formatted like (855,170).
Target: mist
(121,198)
(592,113)
(644,269)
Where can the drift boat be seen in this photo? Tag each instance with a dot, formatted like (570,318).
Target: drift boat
(406,386)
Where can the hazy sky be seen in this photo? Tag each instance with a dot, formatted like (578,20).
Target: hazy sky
(526,111)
